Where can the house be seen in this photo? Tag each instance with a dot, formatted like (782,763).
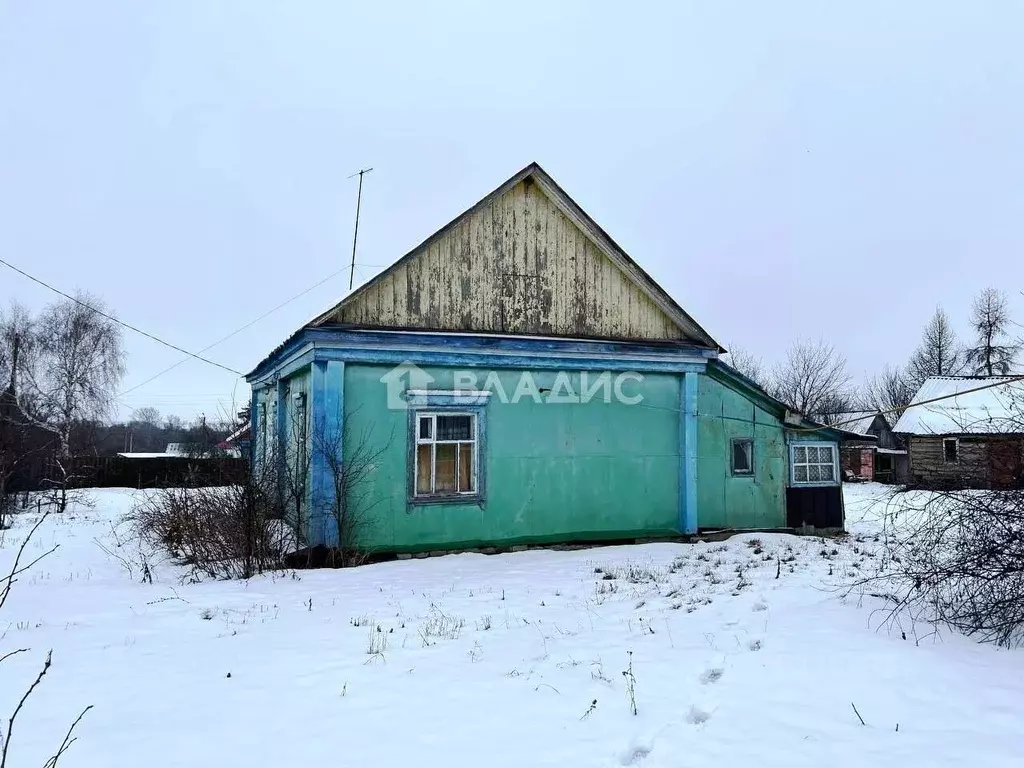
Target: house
(236,444)
(876,452)
(517,378)
(966,431)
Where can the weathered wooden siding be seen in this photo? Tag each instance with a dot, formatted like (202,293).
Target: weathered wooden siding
(516,265)
(984,461)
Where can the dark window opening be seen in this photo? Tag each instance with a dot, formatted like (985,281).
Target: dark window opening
(950,450)
(743,457)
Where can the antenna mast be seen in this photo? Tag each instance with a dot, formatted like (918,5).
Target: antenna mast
(355,234)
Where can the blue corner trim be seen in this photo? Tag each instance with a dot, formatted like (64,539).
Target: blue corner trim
(688,453)
(326,432)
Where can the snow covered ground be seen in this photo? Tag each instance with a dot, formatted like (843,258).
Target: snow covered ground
(507,660)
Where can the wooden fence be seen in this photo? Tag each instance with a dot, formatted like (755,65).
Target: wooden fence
(119,472)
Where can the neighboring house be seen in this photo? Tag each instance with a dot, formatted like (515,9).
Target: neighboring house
(966,431)
(518,378)
(237,444)
(876,452)
(186,451)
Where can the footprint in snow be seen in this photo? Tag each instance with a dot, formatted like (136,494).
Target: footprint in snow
(636,752)
(754,645)
(697,716)
(712,675)
(760,607)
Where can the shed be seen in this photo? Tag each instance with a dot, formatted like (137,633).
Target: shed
(874,452)
(966,431)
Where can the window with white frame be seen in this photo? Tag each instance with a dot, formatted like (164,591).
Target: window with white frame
(445,458)
(813,463)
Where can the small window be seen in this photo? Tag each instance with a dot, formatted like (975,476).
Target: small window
(951,450)
(743,457)
(813,463)
(446,455)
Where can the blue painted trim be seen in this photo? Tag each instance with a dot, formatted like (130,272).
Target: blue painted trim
(253,434)
(688,453)
(471,360)
(327,407)
(280,439)
(404,344)
(480,410)
(290,366)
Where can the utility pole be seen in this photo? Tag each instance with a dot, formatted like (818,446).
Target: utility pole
(355,235)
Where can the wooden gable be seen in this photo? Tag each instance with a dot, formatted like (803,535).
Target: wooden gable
(525,260)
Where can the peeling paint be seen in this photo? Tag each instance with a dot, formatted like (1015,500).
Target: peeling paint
(516,265)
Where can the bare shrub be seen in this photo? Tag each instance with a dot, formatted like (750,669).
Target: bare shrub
(7,582)
(955,558)
(223,532)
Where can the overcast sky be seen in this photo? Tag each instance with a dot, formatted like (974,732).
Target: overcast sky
(782,169)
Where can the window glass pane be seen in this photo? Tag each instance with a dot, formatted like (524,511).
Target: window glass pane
(423,469)
(444,468)
(741,450)
(424,427)
(800,454)
(467,480)
(825,454)
(813,473)
(800,473)
(826,472)
(454,428)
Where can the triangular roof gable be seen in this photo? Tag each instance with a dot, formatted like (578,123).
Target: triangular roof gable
(688,328)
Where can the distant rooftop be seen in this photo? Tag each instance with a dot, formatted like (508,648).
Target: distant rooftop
(973,404)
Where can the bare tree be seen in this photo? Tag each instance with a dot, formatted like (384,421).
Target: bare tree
(294,466)
(994,352)
(748,364)
(813,380)
(17,344)
(80,363)
(939,353)
(891,391)
(146,415)
(349,479)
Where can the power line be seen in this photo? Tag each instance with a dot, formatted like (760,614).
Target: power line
(1005,380)
(236,332)
(119,322)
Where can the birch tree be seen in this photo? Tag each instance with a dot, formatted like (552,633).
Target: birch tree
(80,362)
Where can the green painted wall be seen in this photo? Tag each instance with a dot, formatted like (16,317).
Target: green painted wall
(725,501)
(554,471)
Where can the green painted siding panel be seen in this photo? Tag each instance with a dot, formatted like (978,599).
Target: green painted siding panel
(725,501)
(554,471)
